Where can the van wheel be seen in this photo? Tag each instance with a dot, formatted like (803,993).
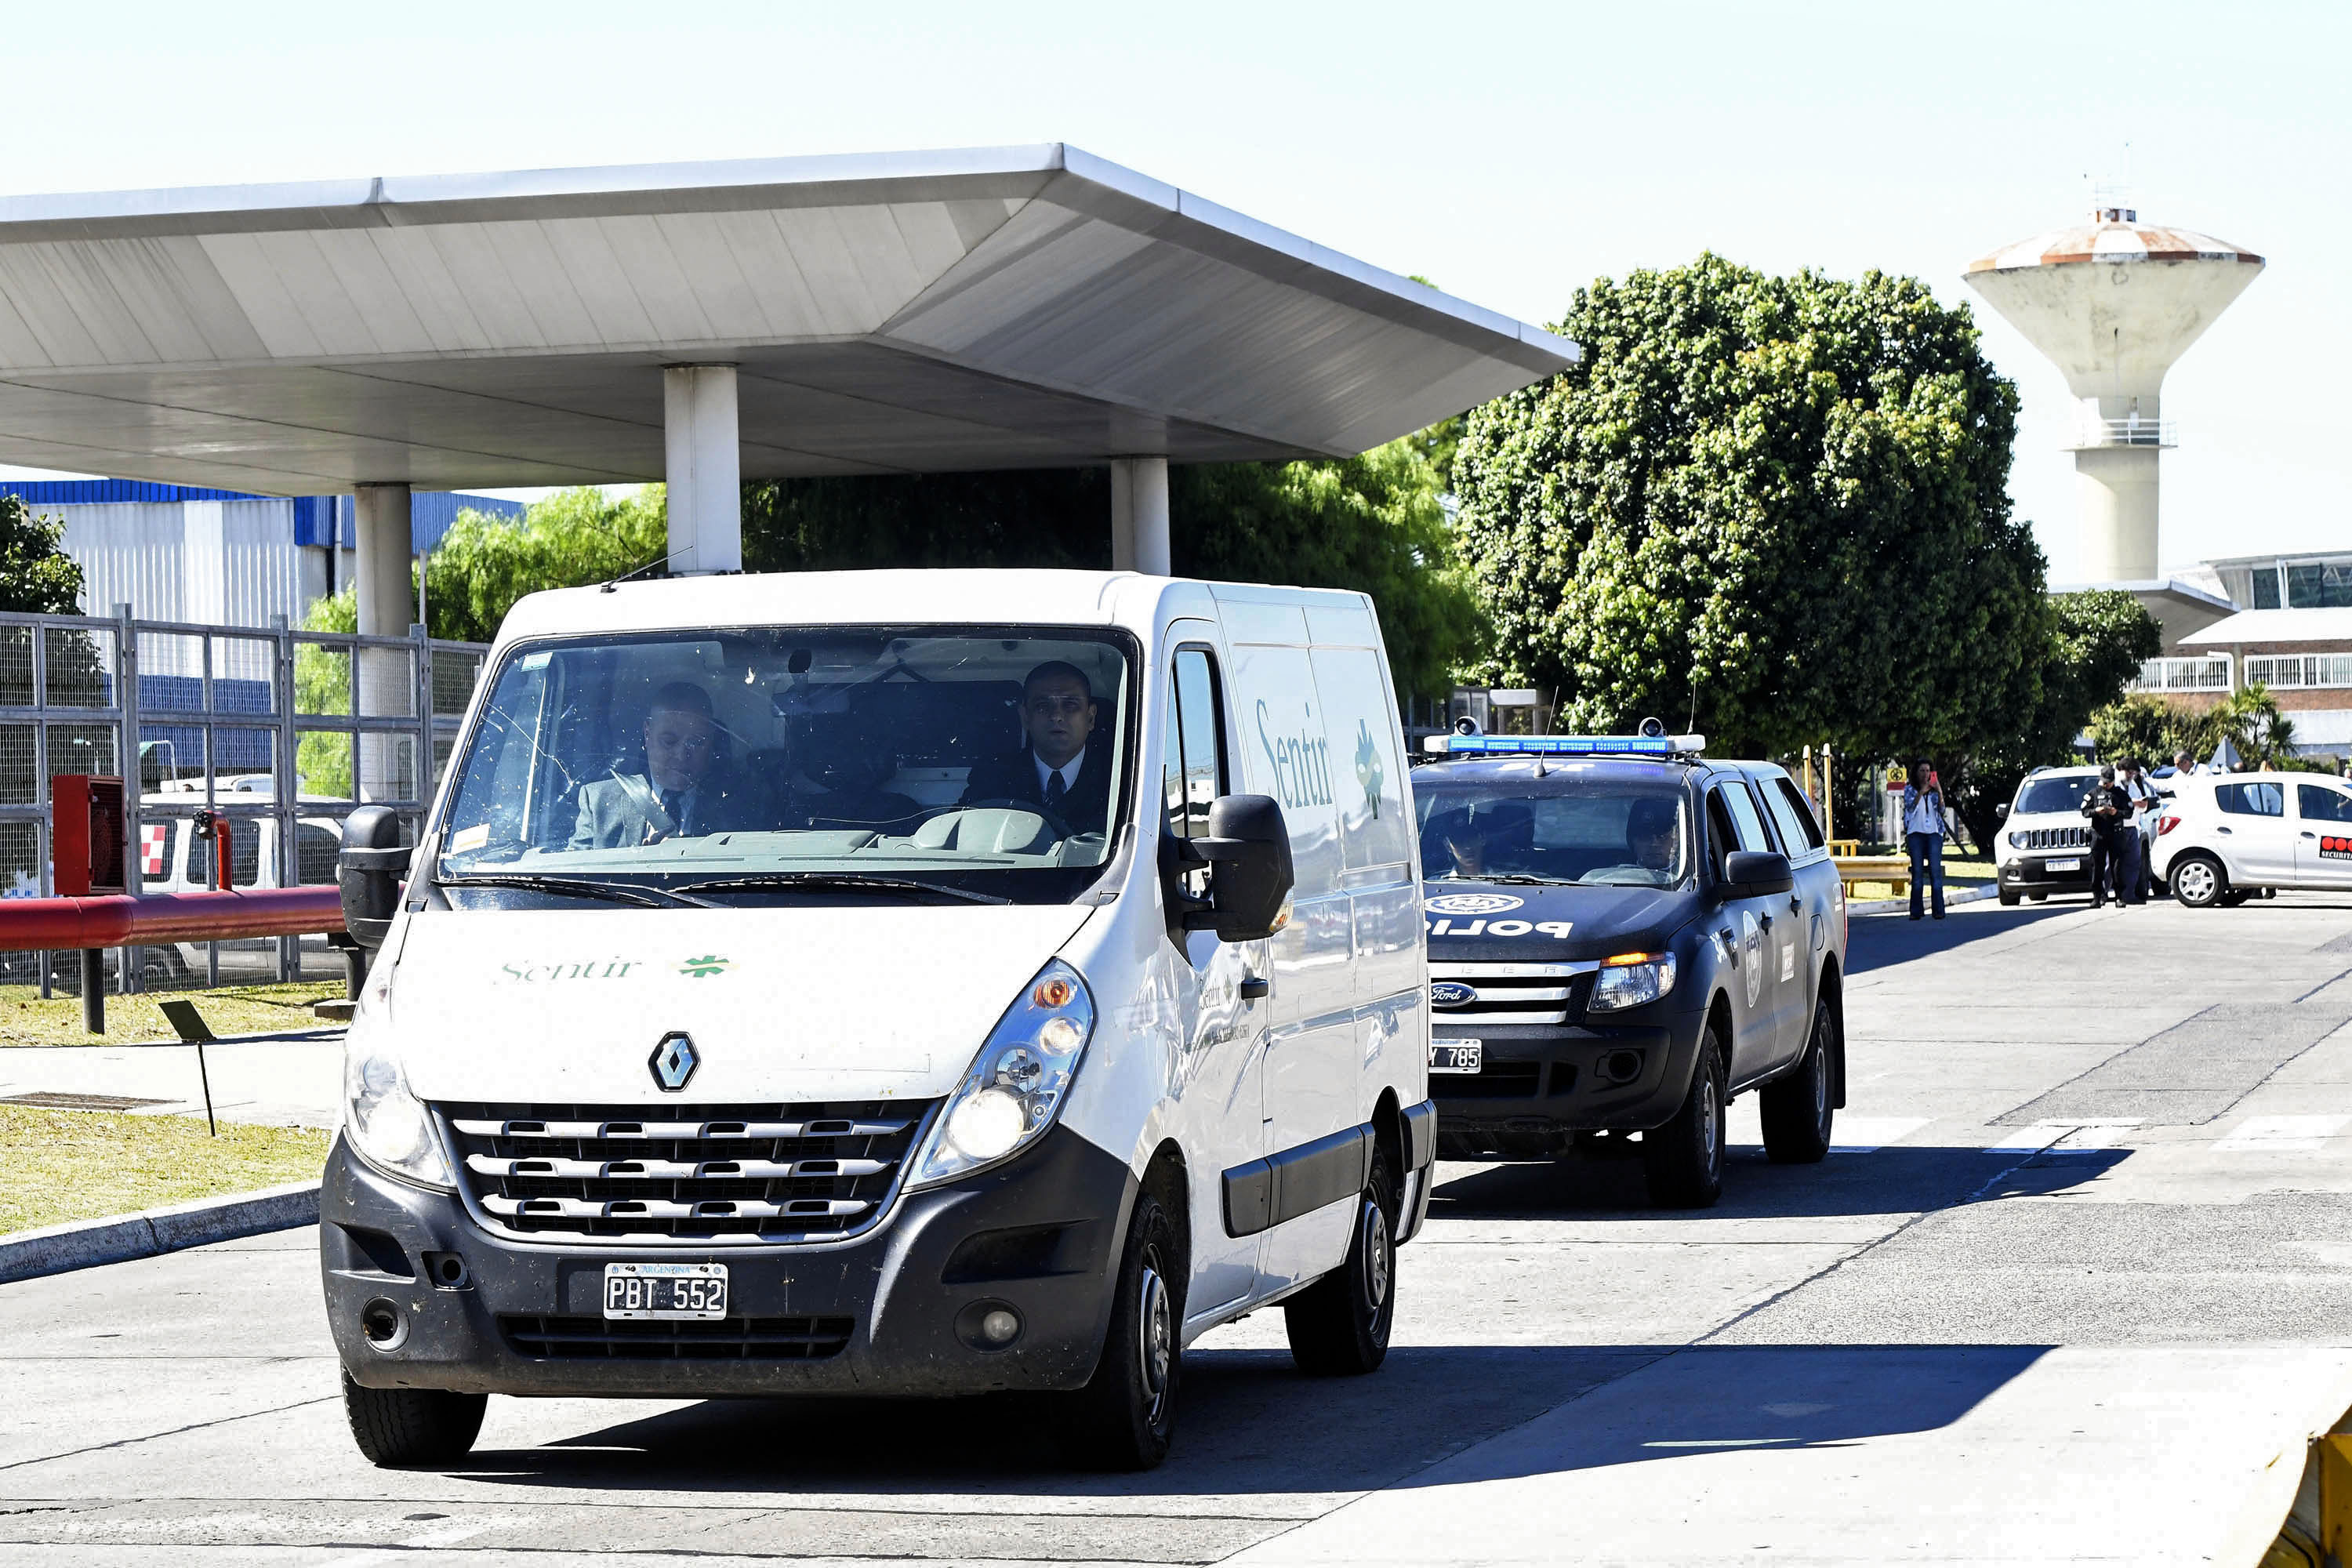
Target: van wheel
(1338,1326)
(1684,1159)
(1798,1107)
(1126,1412)
(2197,881)
(395,1427)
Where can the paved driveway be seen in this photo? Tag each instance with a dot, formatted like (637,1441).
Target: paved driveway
(2075,1287)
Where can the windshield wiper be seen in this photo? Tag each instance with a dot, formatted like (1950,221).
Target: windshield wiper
(1521,878)
(823,880)
(581,886)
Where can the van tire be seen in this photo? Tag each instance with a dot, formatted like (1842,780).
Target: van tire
(1799,1108)
(399,1428)
(1684,1158)
(2198,881)
(1338,1326)
(1126,1412)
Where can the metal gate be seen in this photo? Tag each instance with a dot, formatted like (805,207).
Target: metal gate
(282,732)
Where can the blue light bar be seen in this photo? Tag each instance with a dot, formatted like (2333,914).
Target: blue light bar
(1565,745)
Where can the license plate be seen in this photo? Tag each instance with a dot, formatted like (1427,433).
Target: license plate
(2073,863)
(665,1289)
(1456,1055)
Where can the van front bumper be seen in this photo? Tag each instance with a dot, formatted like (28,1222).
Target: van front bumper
(1540,1085)
(891,1312)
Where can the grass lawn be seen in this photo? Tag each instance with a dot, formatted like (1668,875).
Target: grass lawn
(27,1020)
(61,1166)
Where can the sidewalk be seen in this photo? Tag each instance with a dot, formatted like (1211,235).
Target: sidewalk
(278,1081)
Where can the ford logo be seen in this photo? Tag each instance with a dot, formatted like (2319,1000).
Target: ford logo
(1451,993)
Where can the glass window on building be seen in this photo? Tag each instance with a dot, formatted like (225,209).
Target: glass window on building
(2317,587)
(2266,585)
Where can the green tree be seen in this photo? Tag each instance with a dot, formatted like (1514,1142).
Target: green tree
(36,576)
(323,684)
(2147,728)
(2155,731)
(483,563)
(1373,522)
(2093,643)
(1773,508)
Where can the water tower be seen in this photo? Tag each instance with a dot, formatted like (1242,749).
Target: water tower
(2113,303)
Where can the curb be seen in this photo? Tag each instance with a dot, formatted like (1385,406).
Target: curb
(1887,906)
(86,1244)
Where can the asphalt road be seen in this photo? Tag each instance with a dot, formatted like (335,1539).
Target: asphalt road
(2074,1288)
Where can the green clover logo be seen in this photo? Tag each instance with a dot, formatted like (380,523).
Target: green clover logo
(706,966)
(1369,771)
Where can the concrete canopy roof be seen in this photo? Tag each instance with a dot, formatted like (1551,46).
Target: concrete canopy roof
(924,312)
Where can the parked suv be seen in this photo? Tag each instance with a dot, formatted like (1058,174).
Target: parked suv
(1623,935)
(2225,837)
(2045,843)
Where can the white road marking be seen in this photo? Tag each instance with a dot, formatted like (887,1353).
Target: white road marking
(2280,1134)
(1861,1134)
(2103,1132)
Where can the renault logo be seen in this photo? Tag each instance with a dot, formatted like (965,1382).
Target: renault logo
(1451,993)
(674,1061)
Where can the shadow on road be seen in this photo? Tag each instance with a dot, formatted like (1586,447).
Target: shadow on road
(1253,1426)
(1877,941)
(1900,1180)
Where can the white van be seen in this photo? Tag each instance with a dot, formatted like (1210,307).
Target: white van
(886,983)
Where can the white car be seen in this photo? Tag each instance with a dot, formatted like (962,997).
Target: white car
(2224,838)
(2045,843)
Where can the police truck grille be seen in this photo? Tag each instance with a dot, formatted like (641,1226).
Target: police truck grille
(1512,993)
(2052,838)
(705,1174)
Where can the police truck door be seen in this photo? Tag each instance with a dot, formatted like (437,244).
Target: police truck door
(1752,928)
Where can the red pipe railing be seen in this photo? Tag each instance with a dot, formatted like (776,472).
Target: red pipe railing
(122,920)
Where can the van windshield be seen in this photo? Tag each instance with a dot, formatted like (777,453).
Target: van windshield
(1619,834)
(990,763)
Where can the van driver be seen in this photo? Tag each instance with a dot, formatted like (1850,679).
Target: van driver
(1058,769)
(689,787)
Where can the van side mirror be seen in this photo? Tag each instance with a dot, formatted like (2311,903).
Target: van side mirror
(1250,878)
(368,868)
(2001,812)
(1756,873)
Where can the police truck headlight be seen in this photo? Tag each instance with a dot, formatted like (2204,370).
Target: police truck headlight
(389,1126)
(1630,979)
(1017,1083)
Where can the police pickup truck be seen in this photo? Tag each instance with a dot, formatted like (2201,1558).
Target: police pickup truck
(1623,936)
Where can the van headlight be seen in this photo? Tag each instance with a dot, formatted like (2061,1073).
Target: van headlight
(1017,1083)
(1631,979)
(389,1126)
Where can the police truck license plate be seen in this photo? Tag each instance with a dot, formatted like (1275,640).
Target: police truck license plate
(665,1289)
(1456,1055)
(2074,864)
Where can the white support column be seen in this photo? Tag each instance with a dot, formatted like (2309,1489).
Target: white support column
(1139,516)
(387,606)
(381,514)
(704,468)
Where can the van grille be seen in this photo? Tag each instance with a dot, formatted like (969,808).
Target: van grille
(719,1339)
(1511,993)
(730,1174)
(2051,838)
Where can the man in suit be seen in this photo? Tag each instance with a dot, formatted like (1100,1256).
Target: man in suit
(688,789)
(1056,770)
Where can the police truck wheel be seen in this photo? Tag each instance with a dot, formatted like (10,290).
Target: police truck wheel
(2197,881)
(1799,1106)
(397,1427)
(1126,1412)
(1338,1326)
(1684,1159)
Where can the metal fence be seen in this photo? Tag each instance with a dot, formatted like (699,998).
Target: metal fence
(2200,672)
(280,731)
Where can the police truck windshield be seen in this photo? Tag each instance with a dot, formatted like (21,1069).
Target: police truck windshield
(987,763)
(1615,833)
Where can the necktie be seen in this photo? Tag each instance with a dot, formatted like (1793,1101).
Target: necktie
(674,803)
(1055,792)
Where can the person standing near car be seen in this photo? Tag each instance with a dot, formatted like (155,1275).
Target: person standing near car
(1923,833)
(2144,800)
(2109,810)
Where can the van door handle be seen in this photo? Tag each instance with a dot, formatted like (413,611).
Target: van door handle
(2308,833)
(2219,829)
(1256,988)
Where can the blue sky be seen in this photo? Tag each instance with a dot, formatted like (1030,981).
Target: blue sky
(1510,152)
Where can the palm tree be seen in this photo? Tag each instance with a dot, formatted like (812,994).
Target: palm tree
(2252,722)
